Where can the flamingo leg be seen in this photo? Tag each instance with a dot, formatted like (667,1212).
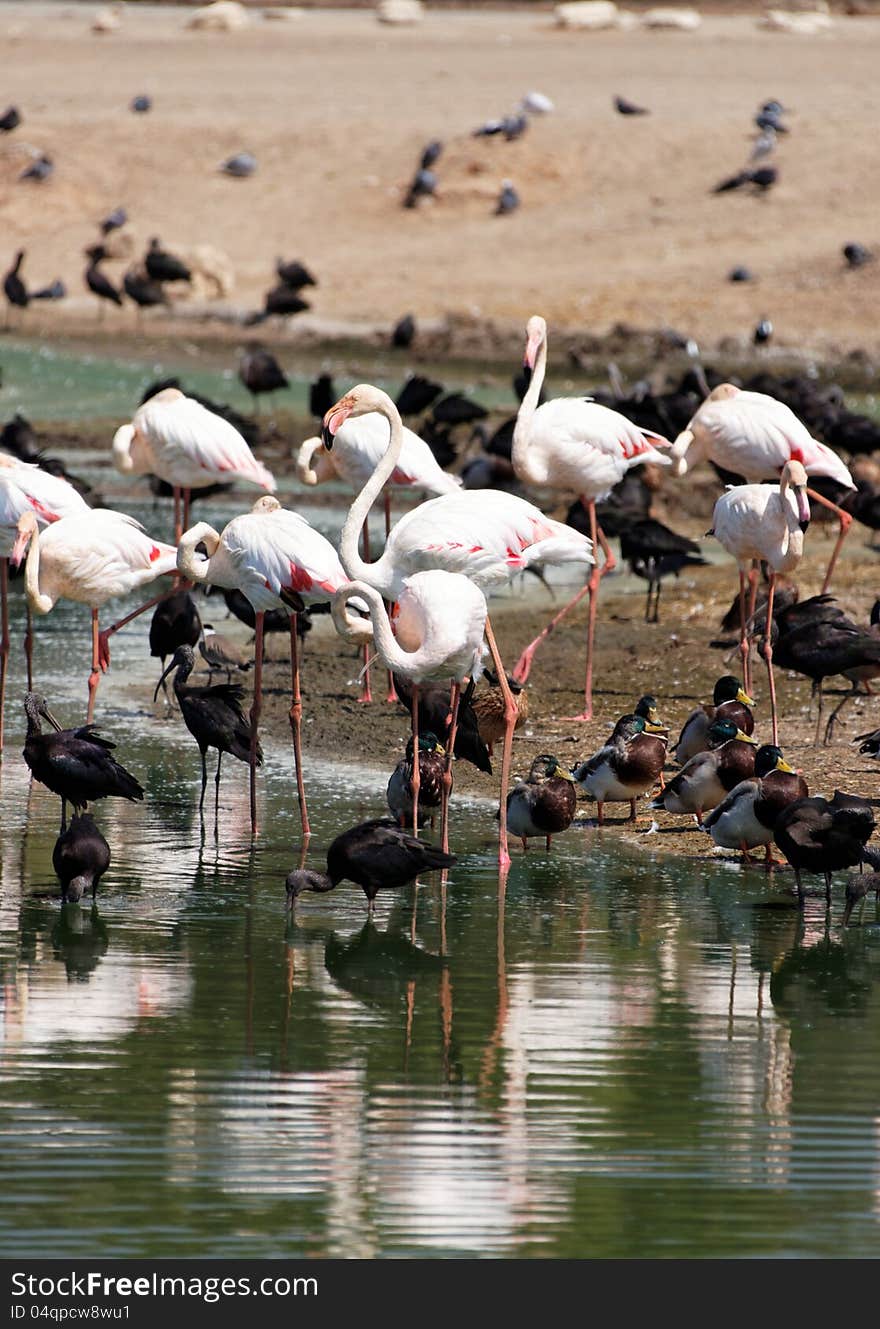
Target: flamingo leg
(392,691)
(187,495)
(366,696)
(415,783)
(845,521)
(255,714)
(4,639)
(524,663)
(510,714)
(596,576)
(29,647)
(768,656)
(296,724)
(104,641)
(178,524)
(744,649)
(447,767)
(95,675)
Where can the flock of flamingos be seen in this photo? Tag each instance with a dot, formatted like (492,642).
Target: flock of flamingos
(440,562)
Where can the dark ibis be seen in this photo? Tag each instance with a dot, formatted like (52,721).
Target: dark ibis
(175,622)
(403,332)
(259,371)
(13,286)
(80,858)
(822,835)
(653,552)
(163,266)
(294,274)
(10,119)
(98,282)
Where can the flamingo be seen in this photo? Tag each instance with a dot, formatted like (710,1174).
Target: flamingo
(26,488)
(187,446)
(576,444)
(486,535)
(91,559)
(440,621)
(755,435)
(764,522)
(358,447)
(277,560)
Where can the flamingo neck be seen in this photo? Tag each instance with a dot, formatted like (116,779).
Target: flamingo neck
(306,473)
(191,564)
(409,663)
(523,462)
(122,444)
(38,600)
(380,572)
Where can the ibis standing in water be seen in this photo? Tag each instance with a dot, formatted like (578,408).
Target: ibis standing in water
(80,858)
(214,717)
(75,764)
(175,622)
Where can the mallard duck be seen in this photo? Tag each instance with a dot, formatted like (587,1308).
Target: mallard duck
(542,804)
(707,777)
(822,835)
(488,706)
(746,817)
(376,854)
(729,702)
(432,763)
(627,766)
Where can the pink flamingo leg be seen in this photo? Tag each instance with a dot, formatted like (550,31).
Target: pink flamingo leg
(366,696)
(743,635)
(510,714)
(187,495)
(296,725)
(845,522)
(416,782)
(455,698)
(178,524)
(596,576)
(392,691)
(95,675)
(4,640)
(256,707)
(768,656)
(104,639)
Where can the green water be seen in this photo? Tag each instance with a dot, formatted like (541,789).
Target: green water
(626,1054)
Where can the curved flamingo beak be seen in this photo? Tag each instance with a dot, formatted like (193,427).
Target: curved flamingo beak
(803,507)
(19,549)
(531,351)
(334,420)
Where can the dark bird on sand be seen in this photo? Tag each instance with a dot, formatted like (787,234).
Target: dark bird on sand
(403,332)
(39,170)
(13,286)
(80,858)
(857,255)
(114,220)
(56,290)
(141,103)
(163,266)
(75,764)
(97,281)
(423,185)
(294,274)
(653,551)
(508,199)
(763,332)
(283,300)
(10,119)
(818,835)
(625,107)
(761,179)
(739,274)
(430,153)
(213,715)
(259,371)
(142,289)
(175,622)
(375,855)
(240,166)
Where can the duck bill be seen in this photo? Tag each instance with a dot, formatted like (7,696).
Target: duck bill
(782,765)
(743,696)
(654,727)
(163,678)
(333,422)
(563,774)
(746,738)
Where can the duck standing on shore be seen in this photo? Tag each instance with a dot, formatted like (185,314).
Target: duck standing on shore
(703,782)
(627,767)
(729,702)
(542,804)
(746,817)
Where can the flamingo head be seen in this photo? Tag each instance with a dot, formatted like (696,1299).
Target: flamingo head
(536,335)
(724,392)
(794,477)
(360,400)
(26,527)
(268,503)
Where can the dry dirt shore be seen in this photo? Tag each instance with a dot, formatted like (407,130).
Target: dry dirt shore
(617,223)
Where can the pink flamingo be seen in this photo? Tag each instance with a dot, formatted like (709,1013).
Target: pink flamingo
(486,535)
(755,435)
(440,621)
(90,558)
(26,488)
(358,447)
(276,559)
(575,444)
(765,522)
(187,446)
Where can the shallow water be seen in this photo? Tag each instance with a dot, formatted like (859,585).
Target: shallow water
(626,1055)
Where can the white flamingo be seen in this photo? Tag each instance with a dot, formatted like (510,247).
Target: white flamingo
(764,522)
(486,535)
(755,435)
(276,559)
(575,444)
(91,559)
(358,447)
(187,446)
(26,488)
(440,621)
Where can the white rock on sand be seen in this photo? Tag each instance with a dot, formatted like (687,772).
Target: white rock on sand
(400,11)
(802,24)
(682,20)
(592,15)
(222,16)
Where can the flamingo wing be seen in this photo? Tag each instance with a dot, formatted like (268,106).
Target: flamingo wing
(280,553)
(198,447)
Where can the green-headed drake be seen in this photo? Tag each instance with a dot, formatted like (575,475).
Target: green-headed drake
(746,817)
(542,804)
(432,763)
(729,702)
(708,776)
(627,767)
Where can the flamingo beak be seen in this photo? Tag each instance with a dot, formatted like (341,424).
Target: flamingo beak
(19,549)
(334,420)
(531,352)
(803,507)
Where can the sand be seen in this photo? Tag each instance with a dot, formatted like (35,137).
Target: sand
(617,223)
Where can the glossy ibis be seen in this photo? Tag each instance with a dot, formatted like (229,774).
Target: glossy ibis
(80,858)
